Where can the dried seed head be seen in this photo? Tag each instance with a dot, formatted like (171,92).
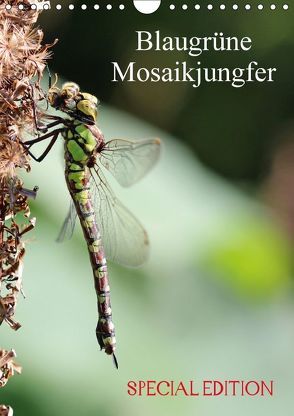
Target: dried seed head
(21,51)
(5,410)
(7,366)
(12,156)
(23,16)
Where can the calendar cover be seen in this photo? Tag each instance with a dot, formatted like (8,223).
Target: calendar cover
(146,207)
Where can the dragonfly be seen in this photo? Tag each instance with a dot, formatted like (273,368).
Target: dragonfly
(110,230)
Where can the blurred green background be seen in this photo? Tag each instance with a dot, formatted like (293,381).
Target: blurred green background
(215,301)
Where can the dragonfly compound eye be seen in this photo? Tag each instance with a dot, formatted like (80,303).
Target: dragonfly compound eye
(70,90)
(87,108)
(89,97)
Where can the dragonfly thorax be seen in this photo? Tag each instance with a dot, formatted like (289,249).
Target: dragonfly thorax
(81,143)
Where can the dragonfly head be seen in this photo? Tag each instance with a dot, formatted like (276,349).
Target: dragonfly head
(71,100)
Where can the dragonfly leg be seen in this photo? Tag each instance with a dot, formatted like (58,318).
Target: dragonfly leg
(53,135)
(58,120)
(41,138)
(115,362)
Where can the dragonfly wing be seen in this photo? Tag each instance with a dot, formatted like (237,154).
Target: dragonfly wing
(68,225)
(129,161)
(124,238)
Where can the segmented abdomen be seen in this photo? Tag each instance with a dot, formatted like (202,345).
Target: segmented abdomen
(78,150)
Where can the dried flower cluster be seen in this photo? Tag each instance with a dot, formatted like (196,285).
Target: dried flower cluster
(7,366)
(22,62)
(6,411)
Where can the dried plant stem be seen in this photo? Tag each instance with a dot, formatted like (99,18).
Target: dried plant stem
(22,62)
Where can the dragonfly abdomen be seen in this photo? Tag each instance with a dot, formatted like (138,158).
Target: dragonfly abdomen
(78,181)
(105,328)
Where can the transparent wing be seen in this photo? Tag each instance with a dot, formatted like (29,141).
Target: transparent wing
(68,225)
(125,240)
(129,161)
